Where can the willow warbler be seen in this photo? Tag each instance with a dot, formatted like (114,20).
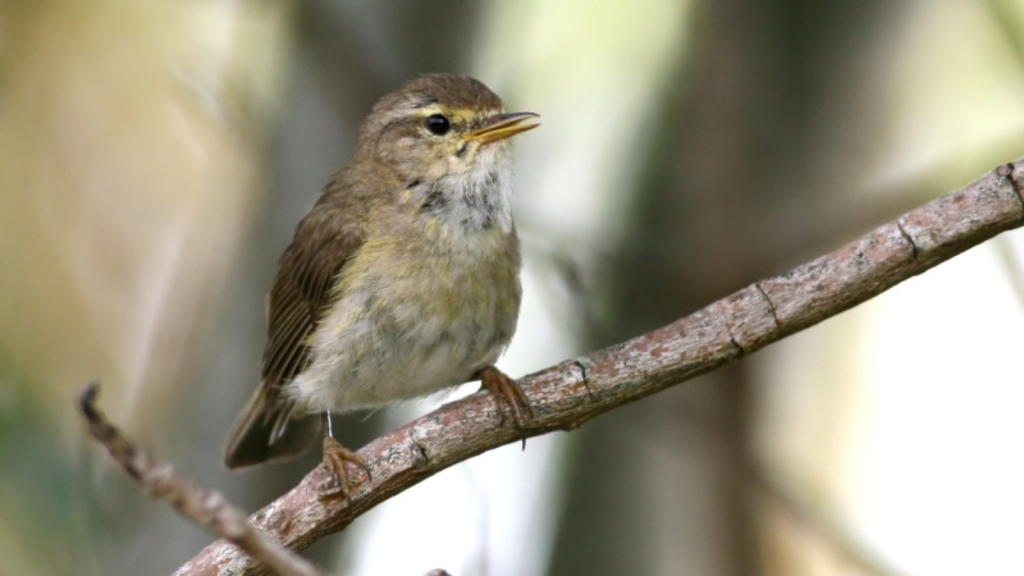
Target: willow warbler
(401,281)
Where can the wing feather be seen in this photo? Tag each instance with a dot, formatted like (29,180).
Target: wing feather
(328,237)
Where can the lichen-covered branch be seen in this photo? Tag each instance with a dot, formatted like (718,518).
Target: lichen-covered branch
(569,394)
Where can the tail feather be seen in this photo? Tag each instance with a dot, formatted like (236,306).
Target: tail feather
(266,430)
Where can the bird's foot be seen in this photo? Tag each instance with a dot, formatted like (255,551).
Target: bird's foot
(335,458)
(506,391)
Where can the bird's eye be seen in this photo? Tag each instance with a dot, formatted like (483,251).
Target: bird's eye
(438,124)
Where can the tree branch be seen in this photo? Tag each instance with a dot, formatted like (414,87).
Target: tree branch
(204,507)
(567,395)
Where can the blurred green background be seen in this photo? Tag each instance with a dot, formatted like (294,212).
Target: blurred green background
(156,156)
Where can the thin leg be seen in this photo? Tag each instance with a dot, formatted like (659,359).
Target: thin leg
(335,458)
(506,391)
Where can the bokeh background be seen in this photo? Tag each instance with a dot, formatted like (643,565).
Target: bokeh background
(155,157)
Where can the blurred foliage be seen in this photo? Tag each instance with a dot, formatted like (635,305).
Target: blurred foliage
(154,159)
(49,517)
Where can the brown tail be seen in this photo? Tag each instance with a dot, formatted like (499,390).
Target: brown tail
(253,438)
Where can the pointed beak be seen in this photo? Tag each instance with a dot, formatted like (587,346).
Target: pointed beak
(501,126)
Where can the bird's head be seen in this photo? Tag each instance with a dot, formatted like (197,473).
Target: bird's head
(441,126)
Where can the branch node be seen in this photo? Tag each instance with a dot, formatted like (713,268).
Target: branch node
(740,351)
(421,452)
(1006,171)
(586,382)
(771,307)
(903,232)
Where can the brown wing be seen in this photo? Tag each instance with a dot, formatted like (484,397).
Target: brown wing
(325,239)
(302,290)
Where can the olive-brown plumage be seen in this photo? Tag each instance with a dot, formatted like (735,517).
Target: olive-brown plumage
(402,280)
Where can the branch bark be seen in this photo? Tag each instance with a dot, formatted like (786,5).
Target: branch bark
(567,395)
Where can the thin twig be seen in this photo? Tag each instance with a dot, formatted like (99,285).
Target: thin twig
(204,507)
(567,395)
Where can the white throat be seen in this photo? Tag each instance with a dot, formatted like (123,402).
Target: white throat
(478,199)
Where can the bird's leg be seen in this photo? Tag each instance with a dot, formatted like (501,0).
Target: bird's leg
(506,391)
(335,457)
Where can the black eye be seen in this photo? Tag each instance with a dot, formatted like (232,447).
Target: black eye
(438,124)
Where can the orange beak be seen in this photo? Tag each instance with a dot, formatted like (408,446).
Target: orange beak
(503,126)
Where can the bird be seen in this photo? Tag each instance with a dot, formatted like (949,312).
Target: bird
(403,279)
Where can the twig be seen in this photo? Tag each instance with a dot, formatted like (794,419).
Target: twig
(567,395)
(204,507)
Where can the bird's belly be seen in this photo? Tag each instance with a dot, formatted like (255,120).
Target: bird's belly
(395,338)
